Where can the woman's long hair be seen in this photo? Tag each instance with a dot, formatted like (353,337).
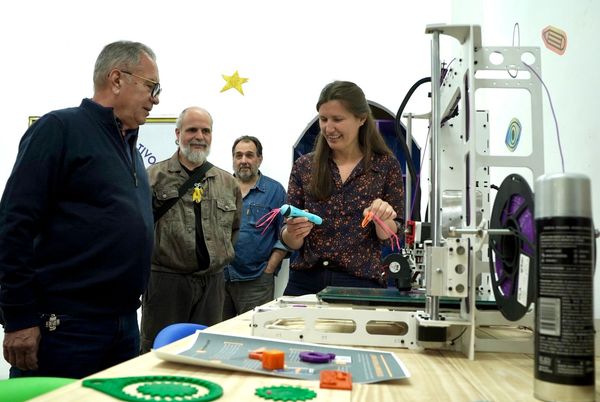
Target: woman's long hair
(370,140)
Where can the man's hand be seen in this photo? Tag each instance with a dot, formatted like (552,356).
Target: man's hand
(21,348)
(277,255)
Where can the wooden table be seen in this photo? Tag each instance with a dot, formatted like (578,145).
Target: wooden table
(435,376)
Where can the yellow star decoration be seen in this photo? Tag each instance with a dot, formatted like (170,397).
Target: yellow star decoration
(234,81)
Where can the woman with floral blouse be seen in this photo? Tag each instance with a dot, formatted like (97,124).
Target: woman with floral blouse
(351,174)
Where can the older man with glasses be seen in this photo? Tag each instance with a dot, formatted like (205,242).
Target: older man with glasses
(76,226)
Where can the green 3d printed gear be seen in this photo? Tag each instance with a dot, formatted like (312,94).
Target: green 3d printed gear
(285,393)
(157,388)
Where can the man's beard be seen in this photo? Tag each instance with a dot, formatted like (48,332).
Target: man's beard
(197,157)
(246,175)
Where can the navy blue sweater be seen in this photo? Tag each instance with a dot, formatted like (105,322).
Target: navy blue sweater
(76,226)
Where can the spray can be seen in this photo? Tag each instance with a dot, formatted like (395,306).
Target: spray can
(564,317)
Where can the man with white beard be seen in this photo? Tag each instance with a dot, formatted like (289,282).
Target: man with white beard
(197,215)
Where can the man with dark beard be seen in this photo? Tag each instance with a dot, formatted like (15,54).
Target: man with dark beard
(249,279)
(194,234)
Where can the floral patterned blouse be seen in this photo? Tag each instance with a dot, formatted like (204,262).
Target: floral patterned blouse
(340,242)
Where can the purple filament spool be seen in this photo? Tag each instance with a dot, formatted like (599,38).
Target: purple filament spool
(513,256)
(523,216)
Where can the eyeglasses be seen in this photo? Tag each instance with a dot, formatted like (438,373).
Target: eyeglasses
(154,91)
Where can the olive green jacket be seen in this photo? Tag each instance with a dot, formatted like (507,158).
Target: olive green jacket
(175,232)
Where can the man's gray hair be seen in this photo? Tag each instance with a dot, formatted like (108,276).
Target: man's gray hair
(123,55)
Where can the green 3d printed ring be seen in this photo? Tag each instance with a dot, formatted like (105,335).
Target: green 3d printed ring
(158,388)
